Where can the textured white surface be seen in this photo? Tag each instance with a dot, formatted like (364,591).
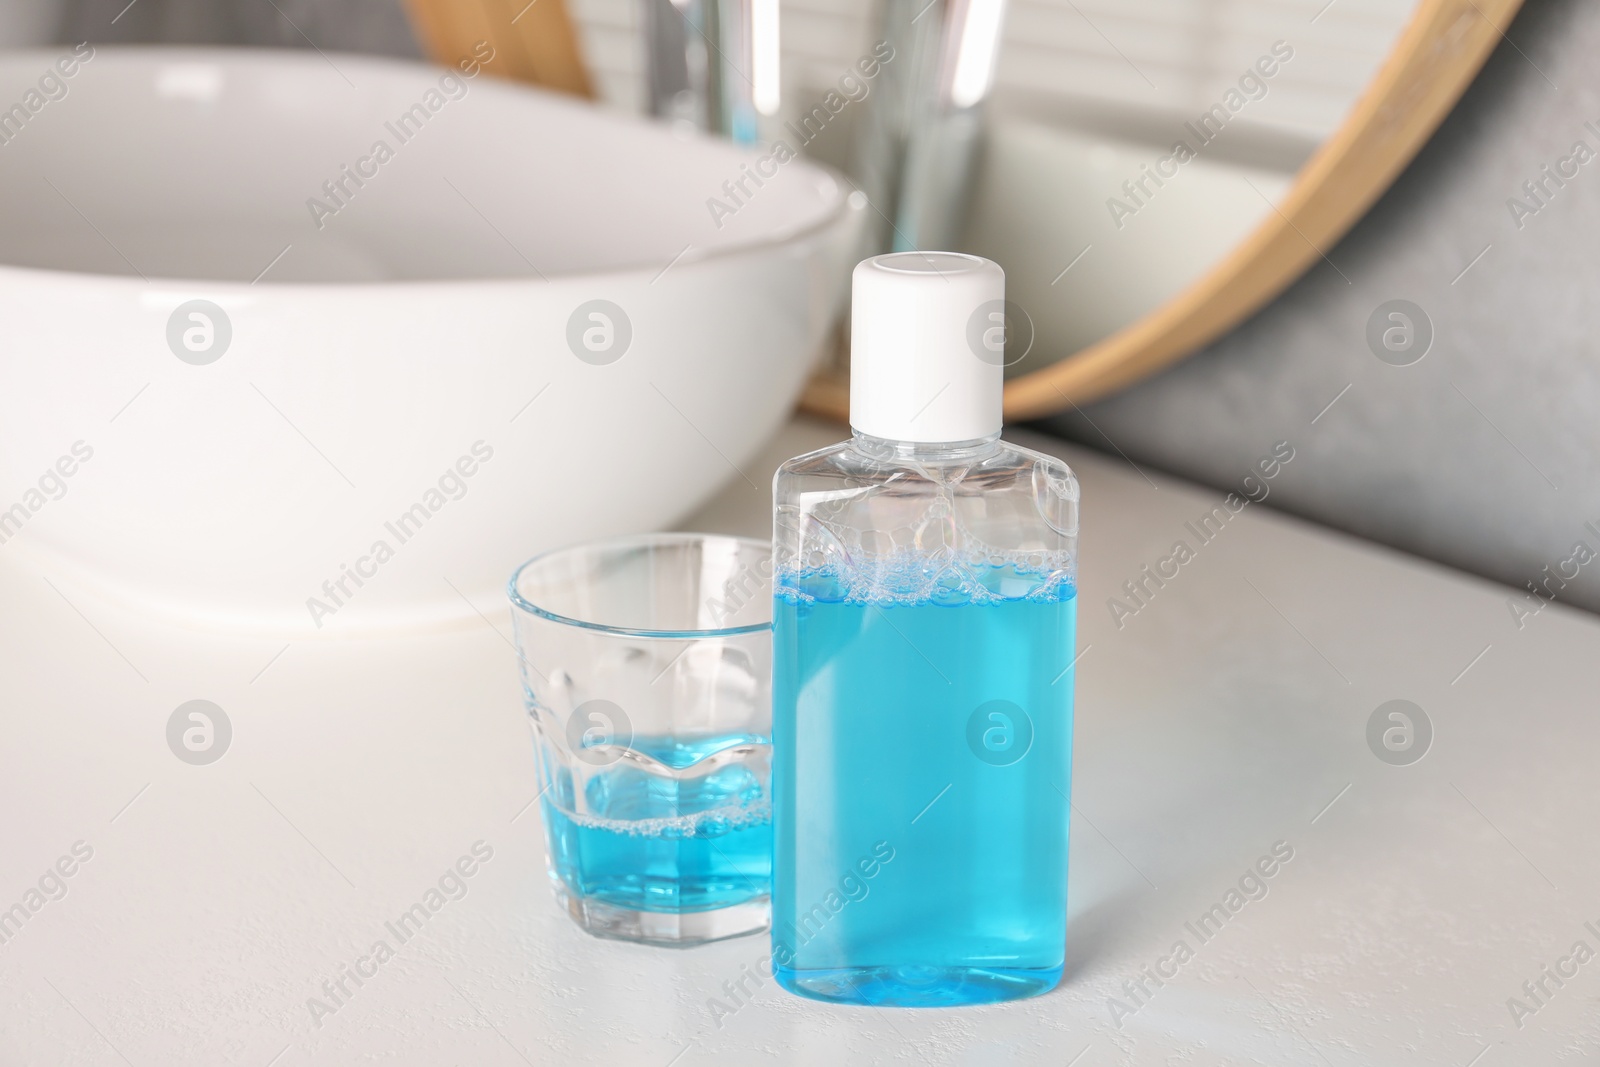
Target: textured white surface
(1222,717)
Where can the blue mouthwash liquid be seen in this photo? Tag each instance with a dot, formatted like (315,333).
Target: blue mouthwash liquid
(649,841)
(922,760)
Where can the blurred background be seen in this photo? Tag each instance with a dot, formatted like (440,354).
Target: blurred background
(1083,94)
(1476,456)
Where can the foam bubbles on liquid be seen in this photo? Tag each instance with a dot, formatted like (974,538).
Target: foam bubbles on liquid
(714,822)
(908,578)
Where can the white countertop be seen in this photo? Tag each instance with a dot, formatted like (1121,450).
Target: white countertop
(1226,715)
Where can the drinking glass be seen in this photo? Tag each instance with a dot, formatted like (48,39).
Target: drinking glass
(646,670)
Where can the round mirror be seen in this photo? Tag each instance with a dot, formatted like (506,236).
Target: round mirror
(1151,175)
(1300,157)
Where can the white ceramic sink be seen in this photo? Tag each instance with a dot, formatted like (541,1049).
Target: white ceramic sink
(381,345)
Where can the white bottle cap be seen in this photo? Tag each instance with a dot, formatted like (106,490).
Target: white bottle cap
(927,347)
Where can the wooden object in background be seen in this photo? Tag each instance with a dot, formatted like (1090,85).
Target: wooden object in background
(533,42)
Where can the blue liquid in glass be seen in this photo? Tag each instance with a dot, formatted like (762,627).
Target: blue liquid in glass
(651,842)
(922,760)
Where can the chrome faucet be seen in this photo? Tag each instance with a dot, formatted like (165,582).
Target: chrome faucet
(713,63)
(916,154)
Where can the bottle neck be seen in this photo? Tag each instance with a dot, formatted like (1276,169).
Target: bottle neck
(931,453)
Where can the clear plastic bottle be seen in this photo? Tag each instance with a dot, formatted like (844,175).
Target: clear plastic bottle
(923,641)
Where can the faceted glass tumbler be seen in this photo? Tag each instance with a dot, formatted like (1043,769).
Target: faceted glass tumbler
(646,670)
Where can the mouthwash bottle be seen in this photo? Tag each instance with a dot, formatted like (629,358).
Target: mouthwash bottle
(923,630)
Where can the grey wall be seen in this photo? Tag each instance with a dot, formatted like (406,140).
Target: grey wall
(1484,453)
(342,25)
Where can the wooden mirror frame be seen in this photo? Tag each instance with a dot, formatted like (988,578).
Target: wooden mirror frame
(532,42)
(1438,55)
